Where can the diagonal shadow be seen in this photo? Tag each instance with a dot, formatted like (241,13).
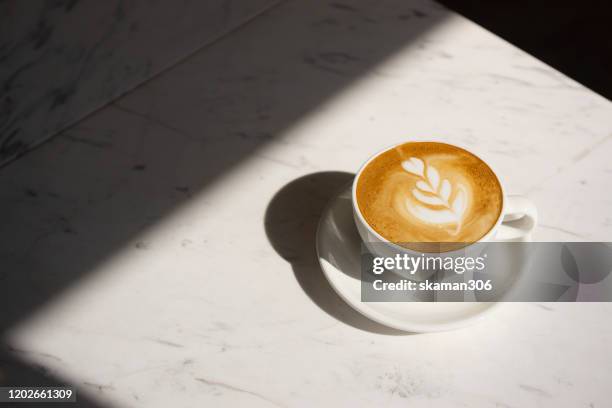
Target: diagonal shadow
(81,197)
(15,372)
(574,38)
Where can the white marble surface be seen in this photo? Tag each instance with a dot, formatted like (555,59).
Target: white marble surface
(61,60)
(137,262)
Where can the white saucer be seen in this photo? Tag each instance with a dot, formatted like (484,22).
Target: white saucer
(339,253)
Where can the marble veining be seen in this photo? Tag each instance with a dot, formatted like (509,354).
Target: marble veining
(61,60)
(160,252)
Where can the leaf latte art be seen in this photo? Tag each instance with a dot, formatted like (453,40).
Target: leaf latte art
(429,192)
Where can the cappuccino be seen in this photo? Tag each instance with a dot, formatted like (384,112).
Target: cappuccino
(429,192)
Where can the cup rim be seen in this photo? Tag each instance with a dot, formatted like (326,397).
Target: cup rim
(371,230)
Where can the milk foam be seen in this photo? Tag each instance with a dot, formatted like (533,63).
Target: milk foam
(431,200)
(429,192)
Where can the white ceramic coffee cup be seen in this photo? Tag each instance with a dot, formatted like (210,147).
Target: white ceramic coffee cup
(517,220)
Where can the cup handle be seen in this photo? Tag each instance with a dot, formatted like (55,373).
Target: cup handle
(520,219)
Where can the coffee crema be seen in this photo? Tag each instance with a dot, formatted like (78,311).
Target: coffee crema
(429,192)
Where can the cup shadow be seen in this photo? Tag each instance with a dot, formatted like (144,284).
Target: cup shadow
(291,222)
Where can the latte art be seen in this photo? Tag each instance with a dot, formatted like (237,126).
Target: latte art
(429,192)
(433,198)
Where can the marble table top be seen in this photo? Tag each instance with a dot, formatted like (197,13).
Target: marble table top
(161,252)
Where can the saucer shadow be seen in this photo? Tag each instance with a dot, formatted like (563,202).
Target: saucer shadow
(291,222)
